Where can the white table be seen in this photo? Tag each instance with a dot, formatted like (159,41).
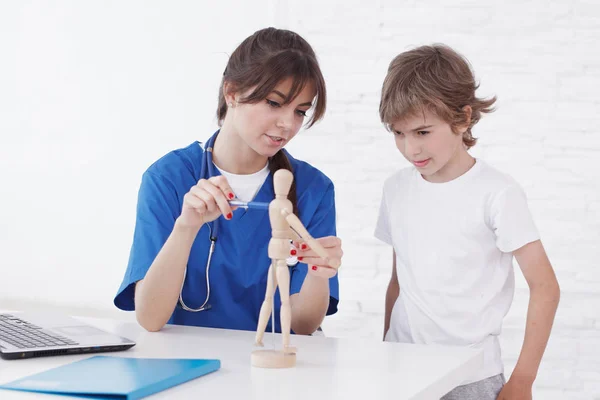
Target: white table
(327,368)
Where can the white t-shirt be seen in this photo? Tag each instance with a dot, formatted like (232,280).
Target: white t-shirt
(245,187)
(454,244)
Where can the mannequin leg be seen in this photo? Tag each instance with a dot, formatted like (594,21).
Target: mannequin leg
(283,278)
(267,305)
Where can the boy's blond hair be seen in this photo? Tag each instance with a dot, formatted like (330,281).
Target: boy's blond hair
(434,78)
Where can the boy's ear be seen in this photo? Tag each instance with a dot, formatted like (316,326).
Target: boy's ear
(467,112)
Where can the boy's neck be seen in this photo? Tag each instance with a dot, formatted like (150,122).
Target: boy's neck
(456,166)
(232,154)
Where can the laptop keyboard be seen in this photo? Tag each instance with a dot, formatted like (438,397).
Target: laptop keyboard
(25,335)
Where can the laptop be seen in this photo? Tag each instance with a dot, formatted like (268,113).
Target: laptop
(26,335)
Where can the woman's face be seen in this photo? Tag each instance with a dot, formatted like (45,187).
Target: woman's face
(269,125)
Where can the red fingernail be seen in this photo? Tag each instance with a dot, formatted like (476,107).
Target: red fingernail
(231,195)
(314,267)
(304,247)
(293,252)
(300,258)
(229,216)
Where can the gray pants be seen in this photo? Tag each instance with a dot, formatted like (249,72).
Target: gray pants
(486,389)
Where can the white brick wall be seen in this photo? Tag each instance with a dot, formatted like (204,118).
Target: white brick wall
(78,78)
(542,62)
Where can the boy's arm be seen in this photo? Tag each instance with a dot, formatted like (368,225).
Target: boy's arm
(544,295)
(391,295)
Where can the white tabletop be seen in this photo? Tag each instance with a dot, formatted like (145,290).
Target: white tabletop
(327,368)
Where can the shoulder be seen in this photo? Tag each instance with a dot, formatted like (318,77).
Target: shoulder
(174,173)
(185,161)
(499,190)
(308,177)
(494,181)
(400,180)
(315,195)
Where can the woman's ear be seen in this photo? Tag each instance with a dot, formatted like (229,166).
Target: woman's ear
(229,94)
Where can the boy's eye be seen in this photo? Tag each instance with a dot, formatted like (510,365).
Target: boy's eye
(398,133)
(423,133)
(273,103)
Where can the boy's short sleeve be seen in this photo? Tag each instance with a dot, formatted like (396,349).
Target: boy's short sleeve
(512,221)
(155,218)
(382,229)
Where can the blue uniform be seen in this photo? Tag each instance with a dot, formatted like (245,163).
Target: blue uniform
(240,262)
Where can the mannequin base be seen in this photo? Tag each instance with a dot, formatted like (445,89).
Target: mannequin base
(273,359)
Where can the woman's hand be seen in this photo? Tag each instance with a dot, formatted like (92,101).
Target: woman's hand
(316,264)
(205,202)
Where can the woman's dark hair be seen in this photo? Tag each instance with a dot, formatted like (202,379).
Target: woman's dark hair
(260,63)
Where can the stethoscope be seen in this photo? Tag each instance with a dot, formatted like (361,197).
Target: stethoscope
(207,170)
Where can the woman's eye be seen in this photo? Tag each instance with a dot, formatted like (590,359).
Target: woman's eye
(301,113)
(423,133)
(273,103)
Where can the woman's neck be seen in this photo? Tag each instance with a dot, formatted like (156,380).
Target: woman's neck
(232,154)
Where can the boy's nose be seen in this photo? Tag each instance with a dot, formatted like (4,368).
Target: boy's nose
(412,148)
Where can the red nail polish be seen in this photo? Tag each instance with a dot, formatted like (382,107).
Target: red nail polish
(293,252)
(229,216)
(231,195)
(303,247)
(314,267)
(300,258)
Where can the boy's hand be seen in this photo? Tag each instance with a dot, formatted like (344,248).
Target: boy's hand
(515,390)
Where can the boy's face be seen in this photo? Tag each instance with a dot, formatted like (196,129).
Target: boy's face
(429,144)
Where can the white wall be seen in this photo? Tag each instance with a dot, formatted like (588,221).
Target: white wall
(92,92)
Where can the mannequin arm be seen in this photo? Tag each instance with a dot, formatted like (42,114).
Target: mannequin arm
(297,226)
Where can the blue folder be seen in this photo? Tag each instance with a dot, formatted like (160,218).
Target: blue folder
(102,377)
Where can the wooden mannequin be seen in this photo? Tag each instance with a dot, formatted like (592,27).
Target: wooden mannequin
(285,227)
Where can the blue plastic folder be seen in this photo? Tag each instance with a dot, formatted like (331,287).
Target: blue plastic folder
(103,377)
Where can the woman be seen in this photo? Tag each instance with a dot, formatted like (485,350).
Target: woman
(270,83)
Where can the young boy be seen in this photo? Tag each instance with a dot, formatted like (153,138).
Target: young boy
(455,224)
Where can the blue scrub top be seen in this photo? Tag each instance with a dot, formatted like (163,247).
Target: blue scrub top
(240,263)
